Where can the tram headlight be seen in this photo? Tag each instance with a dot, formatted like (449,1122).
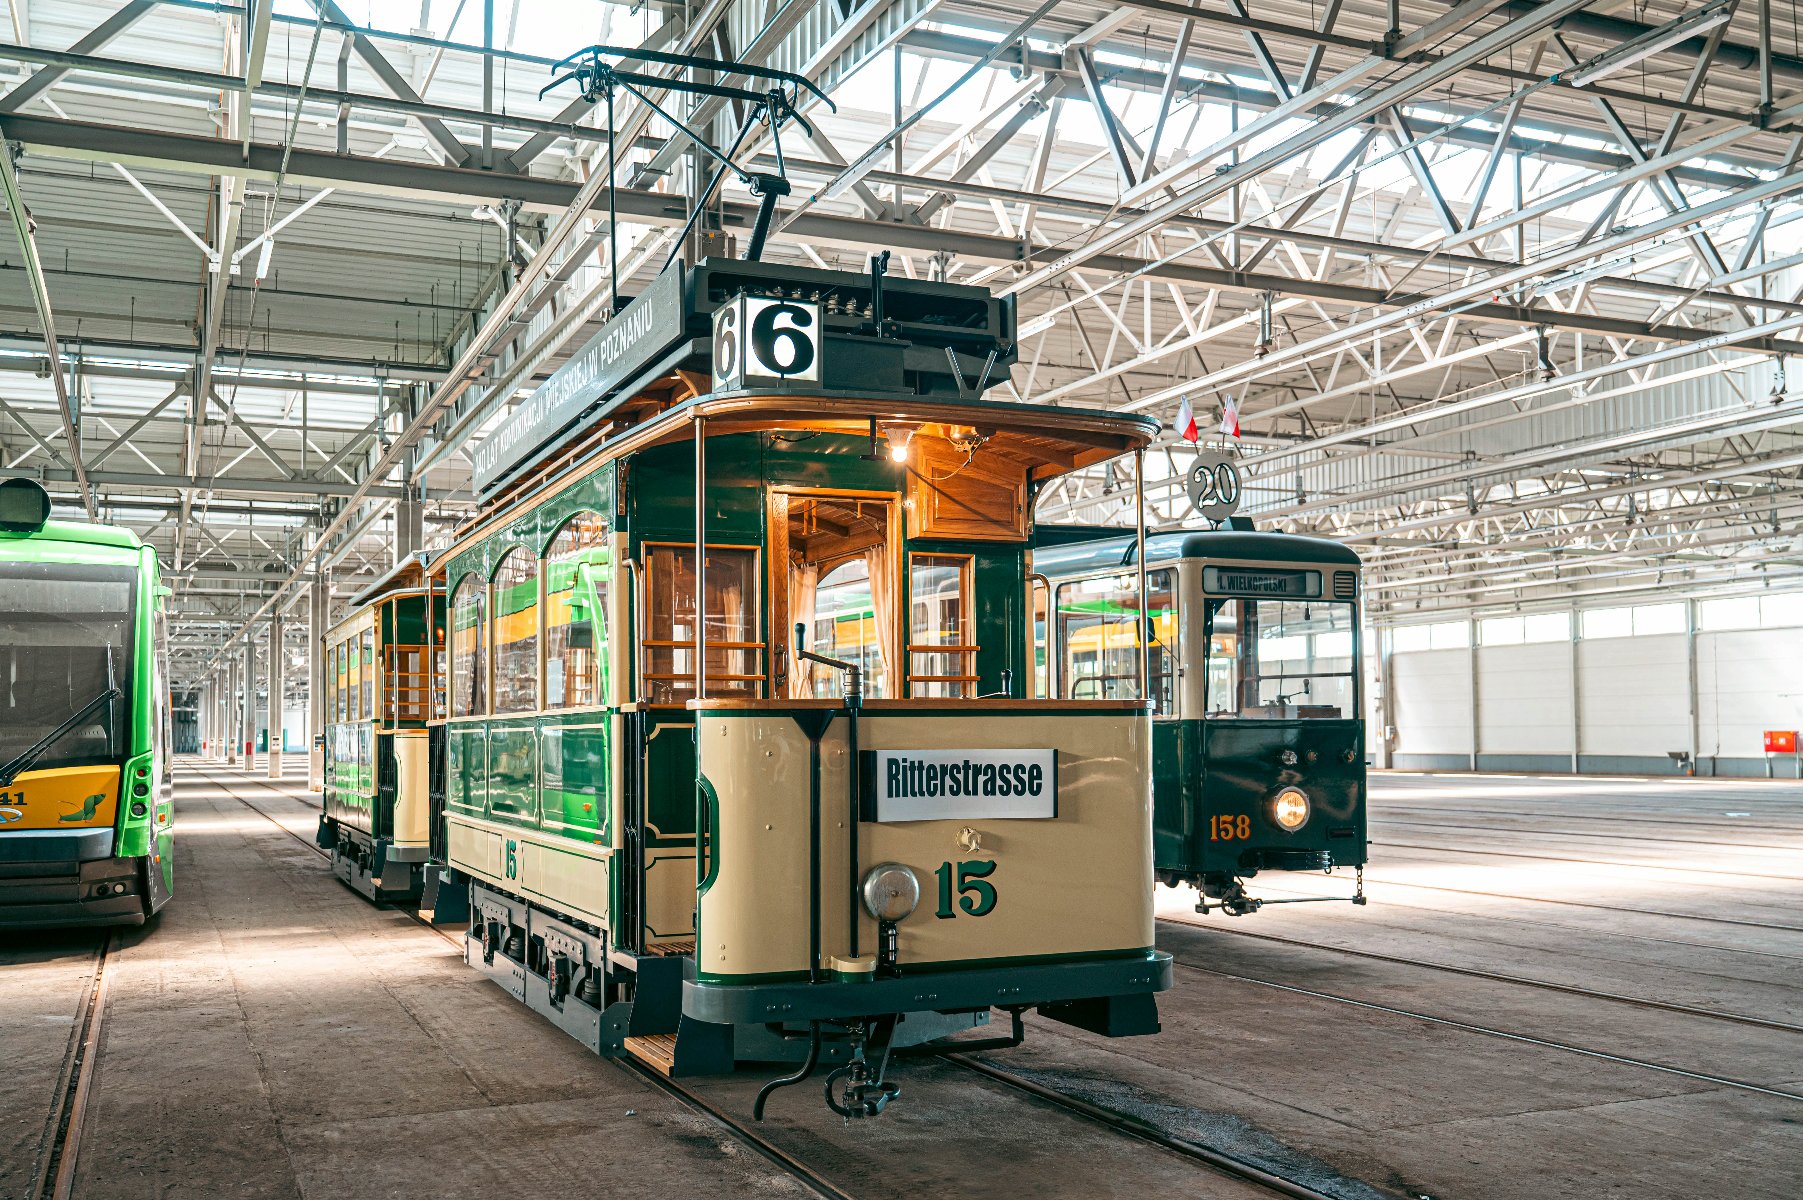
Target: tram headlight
(1289,808)
(890,891)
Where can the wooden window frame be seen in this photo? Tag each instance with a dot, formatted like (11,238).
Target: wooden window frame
(967,618)
(647,643)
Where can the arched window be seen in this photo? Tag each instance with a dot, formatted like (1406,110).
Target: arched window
(516,632)
(578,577)
(469,649)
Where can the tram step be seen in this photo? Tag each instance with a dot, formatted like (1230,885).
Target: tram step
(657,1051)
(673,949)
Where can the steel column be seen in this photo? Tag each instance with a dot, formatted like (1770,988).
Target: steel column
(248,734)
(276,664)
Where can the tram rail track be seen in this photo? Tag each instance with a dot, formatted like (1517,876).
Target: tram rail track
(1501,977)
(1117,1122)
(1489,1031)
(1592,862)
(55,1176)
(1640,912)
(764,1148)
(1767,847)
(1132,1127)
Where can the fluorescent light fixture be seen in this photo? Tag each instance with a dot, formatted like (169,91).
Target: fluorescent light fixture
(1036,325)
(1652,42)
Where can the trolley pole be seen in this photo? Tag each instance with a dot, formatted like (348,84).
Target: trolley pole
(250,703)
(275,697)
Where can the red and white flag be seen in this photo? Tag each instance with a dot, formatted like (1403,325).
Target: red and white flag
(1186,426)
(1230,418)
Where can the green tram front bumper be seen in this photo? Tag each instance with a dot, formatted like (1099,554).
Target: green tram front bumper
(52,878)
(1080,992)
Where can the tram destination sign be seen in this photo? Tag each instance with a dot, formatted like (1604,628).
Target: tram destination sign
(959,785)
(1247,581)
(644,330)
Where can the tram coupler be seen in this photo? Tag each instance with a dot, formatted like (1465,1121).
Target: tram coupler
(865,1093)
(1235,902)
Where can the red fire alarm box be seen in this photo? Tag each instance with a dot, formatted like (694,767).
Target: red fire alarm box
(1780,741)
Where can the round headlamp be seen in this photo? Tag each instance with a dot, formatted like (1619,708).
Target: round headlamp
(1289,808)
(890,891)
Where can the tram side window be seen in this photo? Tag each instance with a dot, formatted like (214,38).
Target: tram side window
(516,632)
(1042,641)
(469,659)
(578,576)
(734,655)
(1280,660)
(942,659)
(1099,650)
(367,675)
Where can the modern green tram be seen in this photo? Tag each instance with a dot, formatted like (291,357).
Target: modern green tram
(1258,732)
(685,831)
(378,671)
(86,819)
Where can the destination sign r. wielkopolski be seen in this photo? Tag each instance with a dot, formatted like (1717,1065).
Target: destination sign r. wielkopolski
(644,330)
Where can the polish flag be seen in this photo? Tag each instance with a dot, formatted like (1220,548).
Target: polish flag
(1186,426)
(1230,418)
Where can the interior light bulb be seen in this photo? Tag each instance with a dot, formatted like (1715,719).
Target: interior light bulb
(898,450)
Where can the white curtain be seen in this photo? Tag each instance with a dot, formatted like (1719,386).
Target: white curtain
(880,565)
(804,583)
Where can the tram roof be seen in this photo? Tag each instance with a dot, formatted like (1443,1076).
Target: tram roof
(1065,550)
(79,532)
(1064,438)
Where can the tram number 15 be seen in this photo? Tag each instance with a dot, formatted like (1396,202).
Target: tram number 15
(513,859)
(1229,827)
(976,895)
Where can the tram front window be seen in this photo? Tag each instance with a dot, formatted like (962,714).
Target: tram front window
(1280,660)
(1096,620)
(65,638)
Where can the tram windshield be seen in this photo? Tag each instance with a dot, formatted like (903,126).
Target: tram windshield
(65,638)
(1281,660)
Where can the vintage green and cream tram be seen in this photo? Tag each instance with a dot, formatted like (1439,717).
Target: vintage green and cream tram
(1258,734)
(377,670)
(86,820)
(691,819)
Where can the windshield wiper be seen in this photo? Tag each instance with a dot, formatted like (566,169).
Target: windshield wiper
(23,762)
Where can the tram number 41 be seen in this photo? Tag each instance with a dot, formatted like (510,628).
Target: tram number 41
(1229,827)
(975,894)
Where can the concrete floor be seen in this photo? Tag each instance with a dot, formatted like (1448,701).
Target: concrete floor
(274,1035)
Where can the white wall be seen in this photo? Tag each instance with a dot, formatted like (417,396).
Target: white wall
(1748,682)
(1431,690)
(1634,695)
(1524,699)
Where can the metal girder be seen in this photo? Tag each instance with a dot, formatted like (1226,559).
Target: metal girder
(231,484)
(414,108)
(941,43)
(98,37)
(1379,99)
(1124,165)
(384,70)
(40,298)
(504,322)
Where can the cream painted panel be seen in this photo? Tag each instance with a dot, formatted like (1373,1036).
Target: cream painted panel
(1080,883)
(473,849)
(413,804)
(565,877)
(670,894)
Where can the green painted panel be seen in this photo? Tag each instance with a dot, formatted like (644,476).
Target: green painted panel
(575,792)
(513,770)
(670,780)
(466,768)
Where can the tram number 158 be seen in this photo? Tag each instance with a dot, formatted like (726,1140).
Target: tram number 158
(975,894)
(1229,827)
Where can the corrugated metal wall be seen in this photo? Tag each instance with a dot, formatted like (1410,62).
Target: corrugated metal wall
(1632,703)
